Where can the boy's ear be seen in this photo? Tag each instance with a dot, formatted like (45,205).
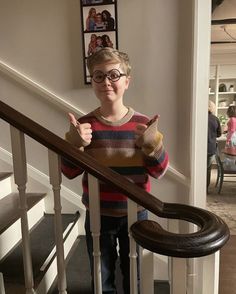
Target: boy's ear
(127,82)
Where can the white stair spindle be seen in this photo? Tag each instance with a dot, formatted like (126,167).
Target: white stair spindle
(132,218)
(95,227)
(211,273)
(20,177)
(178,283)
(55,181)
(2,288)
(146,271)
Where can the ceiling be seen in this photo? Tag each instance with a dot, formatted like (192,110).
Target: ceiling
(223,29)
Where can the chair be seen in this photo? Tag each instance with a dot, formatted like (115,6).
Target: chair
(224,169)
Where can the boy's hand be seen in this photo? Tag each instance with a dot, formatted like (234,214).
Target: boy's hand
(142,138)
(148,138)
(79,135)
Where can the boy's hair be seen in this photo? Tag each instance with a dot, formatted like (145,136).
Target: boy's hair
(231,111)
(108,54)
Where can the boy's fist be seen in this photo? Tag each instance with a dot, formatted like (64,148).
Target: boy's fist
(148,138)
(84,130)
(79,135)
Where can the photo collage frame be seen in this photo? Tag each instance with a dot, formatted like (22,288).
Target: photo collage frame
(99,28)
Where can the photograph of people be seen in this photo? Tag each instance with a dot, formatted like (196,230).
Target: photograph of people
(99,43)
(108,20)
(99,24)
(92,44)
(91,19)
(88,2)
(106,41)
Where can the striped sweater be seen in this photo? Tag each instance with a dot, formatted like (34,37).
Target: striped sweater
(113,145)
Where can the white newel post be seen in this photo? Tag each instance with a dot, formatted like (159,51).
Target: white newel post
(20,176)
(55,181)
(132,218)
(95,226)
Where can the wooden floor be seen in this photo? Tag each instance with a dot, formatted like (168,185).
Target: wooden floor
(227,284)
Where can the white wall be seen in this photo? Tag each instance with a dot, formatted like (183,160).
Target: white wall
(42,39)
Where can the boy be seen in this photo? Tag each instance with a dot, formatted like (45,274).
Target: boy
(118,137)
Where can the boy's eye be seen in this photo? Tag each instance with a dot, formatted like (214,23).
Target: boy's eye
(98,76)
(114,75)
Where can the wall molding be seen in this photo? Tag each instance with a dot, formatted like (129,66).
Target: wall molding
(38,89)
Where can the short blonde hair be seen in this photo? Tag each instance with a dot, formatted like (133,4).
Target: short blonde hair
(211,107)
(108,54)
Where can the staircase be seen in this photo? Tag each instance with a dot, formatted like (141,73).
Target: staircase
(42,241)
(211,234)
(42,246)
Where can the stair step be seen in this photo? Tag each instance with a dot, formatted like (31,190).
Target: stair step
(4,175)
(6,187)
(78,273)
(77,270)
(161,287)
(42,242)
(10,211)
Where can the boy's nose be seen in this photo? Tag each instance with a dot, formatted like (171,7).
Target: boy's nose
(107,80)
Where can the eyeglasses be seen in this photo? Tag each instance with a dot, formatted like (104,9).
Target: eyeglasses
(113,75)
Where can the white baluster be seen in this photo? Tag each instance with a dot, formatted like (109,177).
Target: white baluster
(178,281)
(55,181)
(2,288)
(146,271)
(132,218)
(95,227)
(20,176)
(211,273)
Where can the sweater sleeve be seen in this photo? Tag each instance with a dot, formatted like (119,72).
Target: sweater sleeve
(157,166)
(69,169)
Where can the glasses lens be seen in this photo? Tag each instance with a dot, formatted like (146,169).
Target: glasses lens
(98,76)
(114,75)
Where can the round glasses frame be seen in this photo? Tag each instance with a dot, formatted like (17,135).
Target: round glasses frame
(113,75)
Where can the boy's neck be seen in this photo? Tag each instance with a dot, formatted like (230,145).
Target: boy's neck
(113,113)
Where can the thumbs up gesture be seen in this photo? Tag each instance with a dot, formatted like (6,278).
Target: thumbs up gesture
(79,135)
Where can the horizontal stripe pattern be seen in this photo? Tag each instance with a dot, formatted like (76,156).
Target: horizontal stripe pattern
(113,145)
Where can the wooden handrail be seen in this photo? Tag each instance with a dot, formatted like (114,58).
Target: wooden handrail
(213,233)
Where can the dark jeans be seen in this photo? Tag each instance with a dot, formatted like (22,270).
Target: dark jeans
(113,230)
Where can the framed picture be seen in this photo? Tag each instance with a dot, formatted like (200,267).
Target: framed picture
(99,28)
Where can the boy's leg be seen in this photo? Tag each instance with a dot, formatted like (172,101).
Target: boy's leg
(108,251)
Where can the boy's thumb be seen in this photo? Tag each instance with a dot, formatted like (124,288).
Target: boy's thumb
(72,119)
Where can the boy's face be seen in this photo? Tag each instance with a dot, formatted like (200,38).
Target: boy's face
(108,91)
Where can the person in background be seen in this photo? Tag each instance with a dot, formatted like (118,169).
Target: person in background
(230,146)
(214,131)
(121,139)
